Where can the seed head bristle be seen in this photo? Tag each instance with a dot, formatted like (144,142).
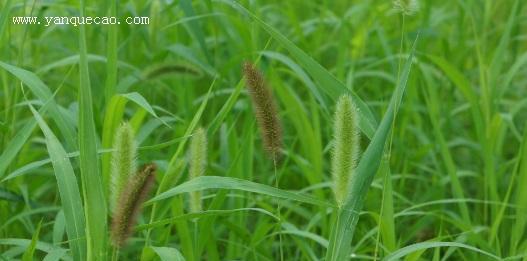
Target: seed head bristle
(123,161)
(130,203)
(198,162)
(345,147)
(265,109)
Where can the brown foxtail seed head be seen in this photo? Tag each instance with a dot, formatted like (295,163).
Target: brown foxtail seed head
(130,202)
(265,109)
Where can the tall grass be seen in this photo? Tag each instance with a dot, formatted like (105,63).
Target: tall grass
(277,170)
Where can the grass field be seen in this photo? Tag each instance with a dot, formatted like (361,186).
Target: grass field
(264,130)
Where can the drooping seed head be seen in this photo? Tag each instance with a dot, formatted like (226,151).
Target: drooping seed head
(198,162)
(123,162)
(345,148)
(130,202)
(265,109)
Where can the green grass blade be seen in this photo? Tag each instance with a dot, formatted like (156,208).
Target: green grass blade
(463,84)
(45,95)
(15,145)
(168,254)
(112,118)
(190,129)
(434,112)
(4,15)
(226,108)
(189,54)
(499,53)
(68,190)
(301,74)
(427,245)
(194,27)
(518,233)
(387,220)
(215,182)
(204,214)
(30,251)
(142,102)
(93,189)
(347,217)
(111,55)
(10,196)
(42,246)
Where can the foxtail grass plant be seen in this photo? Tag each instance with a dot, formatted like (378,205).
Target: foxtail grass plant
(345,148)
(198,162)
(265,109)
(267,116)
(129,204)
(123,163)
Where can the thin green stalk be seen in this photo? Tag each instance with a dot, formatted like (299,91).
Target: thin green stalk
(278,211)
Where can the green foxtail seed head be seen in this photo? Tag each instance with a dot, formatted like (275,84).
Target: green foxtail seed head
(407,7)
(129,204)
(123,162)
(198,162)
(265,109)
(345,148)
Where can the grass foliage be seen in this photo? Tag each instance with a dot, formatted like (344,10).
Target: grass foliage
(267,130)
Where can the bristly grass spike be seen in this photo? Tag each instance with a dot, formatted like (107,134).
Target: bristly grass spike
(265,109)
(345,148)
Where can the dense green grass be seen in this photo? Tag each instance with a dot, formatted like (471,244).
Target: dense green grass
(441,95)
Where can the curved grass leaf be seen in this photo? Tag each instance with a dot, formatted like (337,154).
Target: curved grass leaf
(301,74)
(10,196)
(26,214)
(207,213)
(112,119)
(168,254)
(141,101)
(194,27)
(190,56)
(93,189)
(30,250)
(402,252)
(56,255)
(4,15)
(42,246)
(43,93)
(74,59)
(215,182)
(114,116)
(68,190)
